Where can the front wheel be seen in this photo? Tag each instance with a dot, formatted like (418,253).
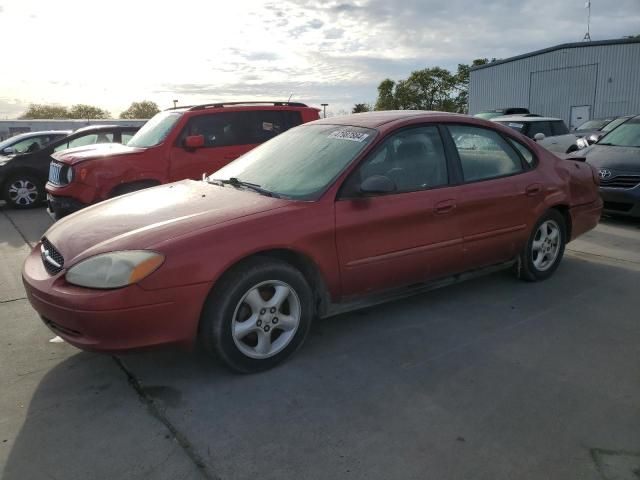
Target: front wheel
(23,190)
(257,315)
(545,247)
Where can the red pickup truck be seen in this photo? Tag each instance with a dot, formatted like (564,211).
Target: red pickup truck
(174,145)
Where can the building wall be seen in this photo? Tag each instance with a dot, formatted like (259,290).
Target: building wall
(9,128)
(606,77)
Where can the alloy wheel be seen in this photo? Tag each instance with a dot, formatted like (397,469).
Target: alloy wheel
(546,245)
(23,192)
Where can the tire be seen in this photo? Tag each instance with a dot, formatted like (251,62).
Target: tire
(545,248)
(243,321)
(23,190)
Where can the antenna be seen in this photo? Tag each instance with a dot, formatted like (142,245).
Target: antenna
(587,36)
(290,97)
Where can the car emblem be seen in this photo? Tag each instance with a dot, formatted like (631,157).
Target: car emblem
(604,173)
(47,257)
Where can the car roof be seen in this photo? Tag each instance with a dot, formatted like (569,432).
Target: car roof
(379,118)
(520,118)
(38,133)
(97,128)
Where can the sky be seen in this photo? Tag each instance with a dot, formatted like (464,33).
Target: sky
(111,53)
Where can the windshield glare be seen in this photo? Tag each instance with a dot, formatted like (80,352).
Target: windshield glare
(302,162)
(614,124)
(155,130)
(626,135)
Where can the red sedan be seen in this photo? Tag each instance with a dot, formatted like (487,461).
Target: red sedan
(329,216)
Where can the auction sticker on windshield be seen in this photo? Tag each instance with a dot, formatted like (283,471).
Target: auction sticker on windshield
(346,134)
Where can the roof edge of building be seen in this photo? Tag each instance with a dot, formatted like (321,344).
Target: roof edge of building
(582,44)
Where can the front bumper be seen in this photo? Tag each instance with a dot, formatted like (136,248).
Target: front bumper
(115,320)
(621,201)
(58,207)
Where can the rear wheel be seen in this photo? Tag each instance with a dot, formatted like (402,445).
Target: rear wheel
(257,315)
(545,247)
(23,190)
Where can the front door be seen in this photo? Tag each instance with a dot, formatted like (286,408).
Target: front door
(579,115)
(225,139)
(409,235)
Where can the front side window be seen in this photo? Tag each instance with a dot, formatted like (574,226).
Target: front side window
(219,129)
(30,144)
(155,130)
(302,162)
(125,137)
(84,140)
(413,159)
(483,153)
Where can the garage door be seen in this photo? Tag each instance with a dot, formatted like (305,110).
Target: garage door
(553,92)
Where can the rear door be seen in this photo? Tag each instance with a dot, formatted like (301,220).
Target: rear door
(496,197)
(408,236)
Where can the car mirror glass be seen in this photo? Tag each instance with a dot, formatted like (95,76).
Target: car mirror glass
(377,184)
(539,136)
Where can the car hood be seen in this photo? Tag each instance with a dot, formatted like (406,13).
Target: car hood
(145,218)
(623,159)
(73,156)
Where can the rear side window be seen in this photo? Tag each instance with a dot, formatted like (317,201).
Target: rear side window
(524,151)
(483,153)
(219,129)
(559,128)
(263,125)
(539,127)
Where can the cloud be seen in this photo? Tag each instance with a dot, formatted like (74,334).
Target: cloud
(333,33)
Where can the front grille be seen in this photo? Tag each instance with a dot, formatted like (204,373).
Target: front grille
(58,173)
(51,258)
(618,206)
(621,181)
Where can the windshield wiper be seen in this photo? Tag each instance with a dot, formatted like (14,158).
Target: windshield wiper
(235,182)
(604,143)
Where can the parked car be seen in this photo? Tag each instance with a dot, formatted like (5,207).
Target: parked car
(551,133)
(617,158)
(592,130)
(329,216)
(500,112)
(30,141)
(175,144)
(23,175)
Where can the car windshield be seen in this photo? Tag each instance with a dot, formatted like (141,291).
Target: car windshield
(618,121)
(300,163)
(626,135)
(592,125)
(488,115)
(518,126)
(155,130)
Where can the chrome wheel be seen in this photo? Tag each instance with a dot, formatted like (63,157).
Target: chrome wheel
(266,319)
(23,193)
(546,245)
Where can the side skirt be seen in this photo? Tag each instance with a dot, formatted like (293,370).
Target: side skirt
(415,289)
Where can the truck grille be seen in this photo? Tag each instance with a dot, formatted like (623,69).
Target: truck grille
(621,181)
(51,258)
(58,173)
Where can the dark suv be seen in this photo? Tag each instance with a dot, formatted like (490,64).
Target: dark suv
(23,175)
(174,145)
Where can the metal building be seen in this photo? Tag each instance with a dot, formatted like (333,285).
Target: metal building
(573,81)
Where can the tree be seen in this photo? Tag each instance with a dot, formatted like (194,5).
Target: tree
(41,111)
(386,100)
(143,109)
(81,111)
(361,107)
(461,84)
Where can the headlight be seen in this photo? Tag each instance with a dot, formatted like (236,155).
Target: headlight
(69,174)
(582,143)
(114,269)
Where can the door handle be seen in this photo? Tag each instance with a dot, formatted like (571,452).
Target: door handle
(444,207)
(533,190)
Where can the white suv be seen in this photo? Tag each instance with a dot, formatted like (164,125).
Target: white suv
(551,133)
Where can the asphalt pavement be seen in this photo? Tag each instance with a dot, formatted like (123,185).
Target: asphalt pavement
(490,379)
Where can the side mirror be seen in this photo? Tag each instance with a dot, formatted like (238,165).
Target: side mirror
(539,136)
(8,151)
(377,184)
(194,141)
